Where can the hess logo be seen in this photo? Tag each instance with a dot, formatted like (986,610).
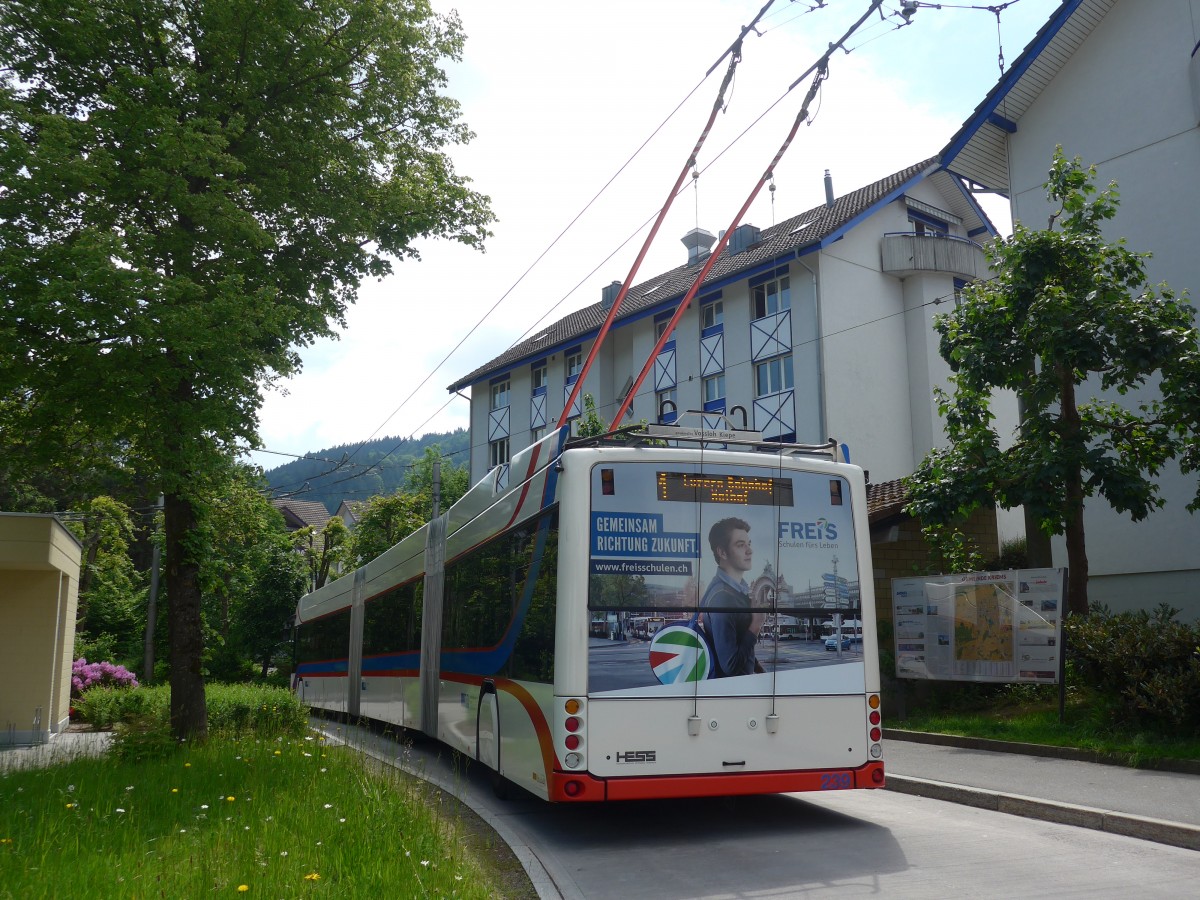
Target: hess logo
(636,756)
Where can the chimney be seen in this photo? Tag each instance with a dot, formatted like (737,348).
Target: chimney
(608,294)
(828,189)
(698,243)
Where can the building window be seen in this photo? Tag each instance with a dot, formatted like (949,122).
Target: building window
(671,413)
(497,452)
(574,362)
(712,316)
(714,390)
(771,297)
(660,326)
(536,434)
(500,394)
(773,376)
(538,377)
(927,225)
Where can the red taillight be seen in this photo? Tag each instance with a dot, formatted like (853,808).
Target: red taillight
(876,734)
(573,788)
(874,717)
(877,775)
(573,742)
(572,723)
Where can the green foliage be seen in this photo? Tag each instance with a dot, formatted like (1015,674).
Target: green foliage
(1144,666)
(951,551)
(387,464)
(1065,307)
(590,423)
(191,191)
(324,551)
(112,593)
(1014,554)
(383,522)
(233,709)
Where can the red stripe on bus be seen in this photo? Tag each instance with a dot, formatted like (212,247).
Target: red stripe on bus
(666,787)
(540,726)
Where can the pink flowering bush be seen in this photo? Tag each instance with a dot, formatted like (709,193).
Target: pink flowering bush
(85,675)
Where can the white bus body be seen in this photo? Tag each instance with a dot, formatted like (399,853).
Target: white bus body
(479,629)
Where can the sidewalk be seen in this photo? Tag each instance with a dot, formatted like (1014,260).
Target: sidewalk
(60,748)
(1151,804)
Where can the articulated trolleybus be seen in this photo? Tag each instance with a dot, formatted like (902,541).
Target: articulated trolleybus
(476,629)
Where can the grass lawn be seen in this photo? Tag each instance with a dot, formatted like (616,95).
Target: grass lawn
(245,816)
(1086,726)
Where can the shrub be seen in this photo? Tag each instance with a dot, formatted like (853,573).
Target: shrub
(1144,666)
(86,675)
(233,709)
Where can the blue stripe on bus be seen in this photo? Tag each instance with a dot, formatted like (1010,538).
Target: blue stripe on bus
(325,667)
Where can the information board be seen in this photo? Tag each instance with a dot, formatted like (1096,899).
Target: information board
(981,626)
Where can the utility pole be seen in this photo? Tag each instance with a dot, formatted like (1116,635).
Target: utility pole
(437,488)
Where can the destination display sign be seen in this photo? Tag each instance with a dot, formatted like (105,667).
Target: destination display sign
(742,490)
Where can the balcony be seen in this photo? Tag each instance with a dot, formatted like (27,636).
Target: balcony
(905,253)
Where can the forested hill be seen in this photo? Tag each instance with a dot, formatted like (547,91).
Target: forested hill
(380,466)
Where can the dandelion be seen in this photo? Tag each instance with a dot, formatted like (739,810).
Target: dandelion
(188,766)
(229,799)
(278,753)
(312,876)
(70,806)
(242,888)
(174,790)
(9,841)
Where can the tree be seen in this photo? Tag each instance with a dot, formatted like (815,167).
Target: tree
(260,621)
(1065,308)
(324,551)
(189,191)
(111,590)
(384,521)
(455,481)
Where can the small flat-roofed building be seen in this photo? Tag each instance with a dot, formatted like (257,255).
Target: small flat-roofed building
(39,593)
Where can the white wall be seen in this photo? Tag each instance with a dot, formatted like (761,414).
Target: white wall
(1124,102)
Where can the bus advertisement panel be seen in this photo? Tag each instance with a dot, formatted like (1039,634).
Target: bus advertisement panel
(721,553)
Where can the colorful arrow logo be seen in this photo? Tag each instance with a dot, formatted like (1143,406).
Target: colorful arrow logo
(678,654)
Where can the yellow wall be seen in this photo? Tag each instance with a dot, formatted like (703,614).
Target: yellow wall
(39,588)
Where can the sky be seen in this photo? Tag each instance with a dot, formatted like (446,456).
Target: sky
(562,96)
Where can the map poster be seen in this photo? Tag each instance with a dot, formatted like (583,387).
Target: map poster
(981,626)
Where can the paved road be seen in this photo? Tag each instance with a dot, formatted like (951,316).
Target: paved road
(792,845)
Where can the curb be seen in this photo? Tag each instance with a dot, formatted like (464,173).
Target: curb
(1181,766)
(1175,834)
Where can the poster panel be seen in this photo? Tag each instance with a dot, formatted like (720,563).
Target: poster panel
(980,626)
(710,580)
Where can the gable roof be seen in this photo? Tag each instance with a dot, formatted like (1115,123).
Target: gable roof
(811,230)
(978,152)
(302,513)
